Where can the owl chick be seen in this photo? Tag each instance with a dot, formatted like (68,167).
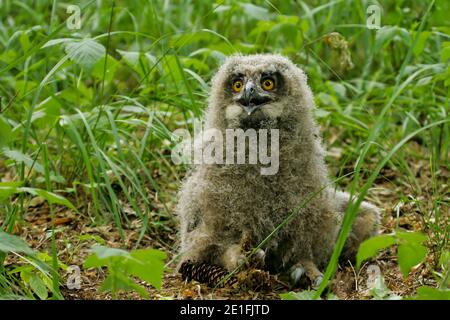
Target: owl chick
(221,204)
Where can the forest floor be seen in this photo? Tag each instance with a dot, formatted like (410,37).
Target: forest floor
(75,235)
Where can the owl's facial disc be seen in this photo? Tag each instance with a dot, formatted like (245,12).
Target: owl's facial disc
(251,99)
(253,91)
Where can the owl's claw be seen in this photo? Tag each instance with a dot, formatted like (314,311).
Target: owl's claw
(317,281)
(309,269)
(296,274)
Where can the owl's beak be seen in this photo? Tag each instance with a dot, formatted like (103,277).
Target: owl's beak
(251,100)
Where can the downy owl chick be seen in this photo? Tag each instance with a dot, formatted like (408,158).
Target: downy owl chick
(220,204)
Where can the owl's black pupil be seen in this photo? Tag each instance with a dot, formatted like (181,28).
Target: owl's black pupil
(238,85)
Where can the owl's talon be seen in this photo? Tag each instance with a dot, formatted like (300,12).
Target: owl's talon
(296,274)
(316,283)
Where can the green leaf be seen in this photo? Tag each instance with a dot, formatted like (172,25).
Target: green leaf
(11,243)
(421,41)
(371,246)
(302,295)
(87,237)
(255,12)
(111,68)
(116,281)
(46,258)
(384,36)
(444,260)
(411,237)
(51,197)
(93,262)
(410,255)
(102,256)
(26,269)
(38,286)
(429,293)
(85,53)
(7,189)
(54,42)
(148,264)
(105,252)
(20,157)
(320,113)
(445,53)
(130,57)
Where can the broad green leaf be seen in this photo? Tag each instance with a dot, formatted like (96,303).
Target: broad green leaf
(116,281)
(130,57)
(424,81)
(93,262)
(421,41)
(255,12)
(388,33)
(11,243)
(105,252)
(24,87)
(27,268)
(6,192)
(371,246)
(445,54)
(86,52)
(383,36)
(302,295)
(429,293)
(410,255)
(8,56)
(87,237)
(24,40)
(45,257)
(321,113)
(20,157)
(12,184)
(148,264)
(444,260)
(7,189)
(411,237)
(51,197)
(47,112)
(54,42)
(38,286)
(102,256)
(111,68)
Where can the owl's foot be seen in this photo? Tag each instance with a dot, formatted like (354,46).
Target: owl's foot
(316,283)
(308,268)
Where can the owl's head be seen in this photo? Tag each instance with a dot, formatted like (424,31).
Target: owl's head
(255,88)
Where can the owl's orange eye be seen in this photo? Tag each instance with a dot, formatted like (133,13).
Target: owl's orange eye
(268,84)
(237,85)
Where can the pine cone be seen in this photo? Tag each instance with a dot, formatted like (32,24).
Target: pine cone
(212,275)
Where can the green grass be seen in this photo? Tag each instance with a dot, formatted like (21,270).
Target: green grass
(88,112)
